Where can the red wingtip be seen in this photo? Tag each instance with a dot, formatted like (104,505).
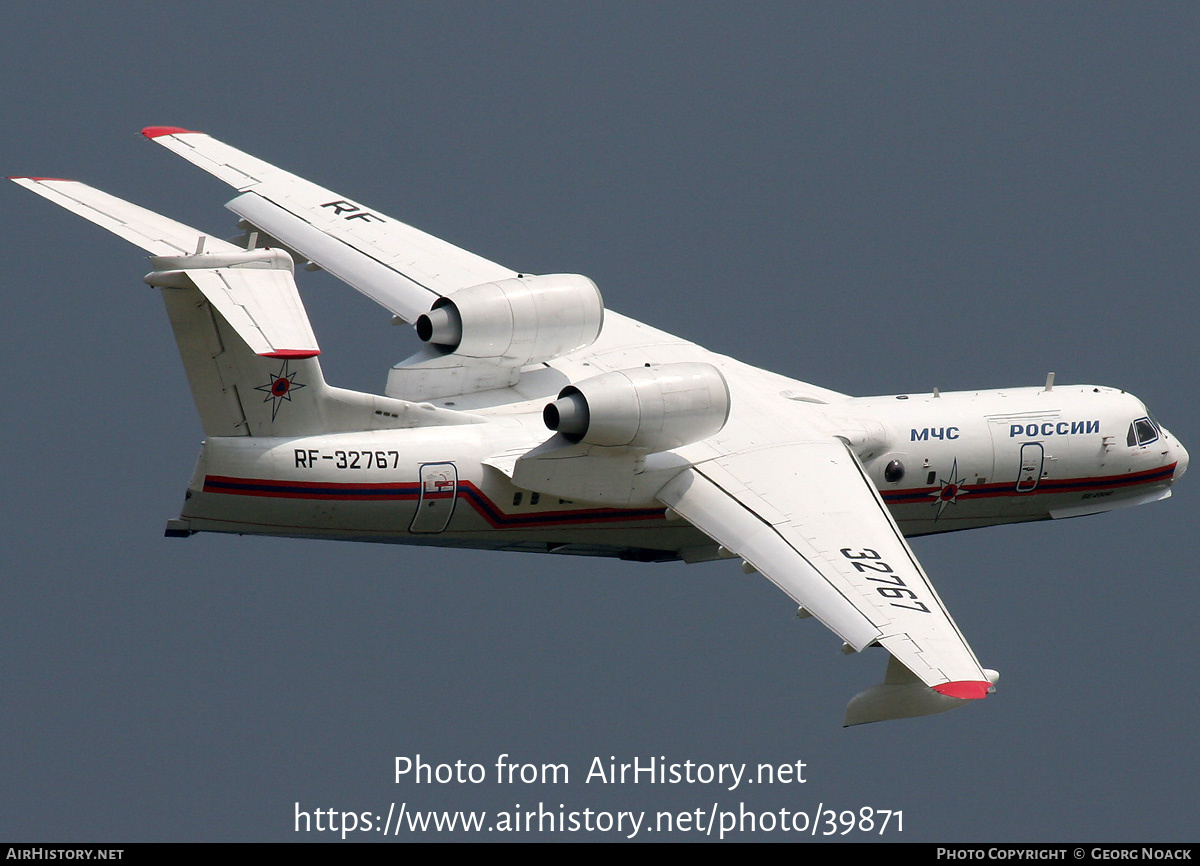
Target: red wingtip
(156,131)
(296,354)
(967,690)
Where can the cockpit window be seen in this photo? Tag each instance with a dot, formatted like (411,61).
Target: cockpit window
(1141,432)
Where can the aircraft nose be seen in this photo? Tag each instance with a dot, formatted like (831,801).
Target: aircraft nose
(1181,460)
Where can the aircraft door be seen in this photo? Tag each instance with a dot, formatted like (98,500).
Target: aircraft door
(1025,464)
(439,494)
(1033,456)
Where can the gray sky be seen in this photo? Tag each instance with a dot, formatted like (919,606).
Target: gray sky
(876,198)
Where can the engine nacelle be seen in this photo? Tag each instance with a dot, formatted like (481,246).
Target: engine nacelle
(519,321)
(655,408)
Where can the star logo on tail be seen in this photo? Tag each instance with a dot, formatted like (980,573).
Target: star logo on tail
(280,388)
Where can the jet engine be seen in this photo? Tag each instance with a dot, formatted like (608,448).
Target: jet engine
(655,408)
(519,321)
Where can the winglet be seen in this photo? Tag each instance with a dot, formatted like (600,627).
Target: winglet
(156,131)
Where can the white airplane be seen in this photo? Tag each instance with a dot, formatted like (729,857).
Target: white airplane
(657,449)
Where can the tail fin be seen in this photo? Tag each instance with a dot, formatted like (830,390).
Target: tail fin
(244,337)
(239,392)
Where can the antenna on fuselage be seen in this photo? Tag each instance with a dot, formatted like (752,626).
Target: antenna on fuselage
(1050,381)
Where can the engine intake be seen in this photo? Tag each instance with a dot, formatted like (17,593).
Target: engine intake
(656,408)
(519,321)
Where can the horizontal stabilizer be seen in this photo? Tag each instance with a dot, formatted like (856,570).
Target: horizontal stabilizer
(154,233)
(254,290)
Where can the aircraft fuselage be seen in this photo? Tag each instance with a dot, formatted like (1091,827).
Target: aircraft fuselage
(941,463)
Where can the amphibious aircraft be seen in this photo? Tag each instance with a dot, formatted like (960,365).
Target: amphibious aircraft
(533,419)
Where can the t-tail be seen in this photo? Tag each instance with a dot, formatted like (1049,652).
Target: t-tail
(243,334)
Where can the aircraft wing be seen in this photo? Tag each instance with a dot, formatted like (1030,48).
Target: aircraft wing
(807,517)
(399,267)
(402,268)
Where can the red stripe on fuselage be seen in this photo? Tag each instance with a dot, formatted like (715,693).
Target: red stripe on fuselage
(411,491)
(1046,486)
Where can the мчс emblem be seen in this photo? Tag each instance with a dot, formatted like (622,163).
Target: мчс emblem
(280,388)
(951,488)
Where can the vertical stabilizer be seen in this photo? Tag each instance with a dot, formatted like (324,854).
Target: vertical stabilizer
(241,392)
(237,391)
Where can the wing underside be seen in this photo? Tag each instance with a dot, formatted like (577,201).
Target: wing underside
(807,517)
